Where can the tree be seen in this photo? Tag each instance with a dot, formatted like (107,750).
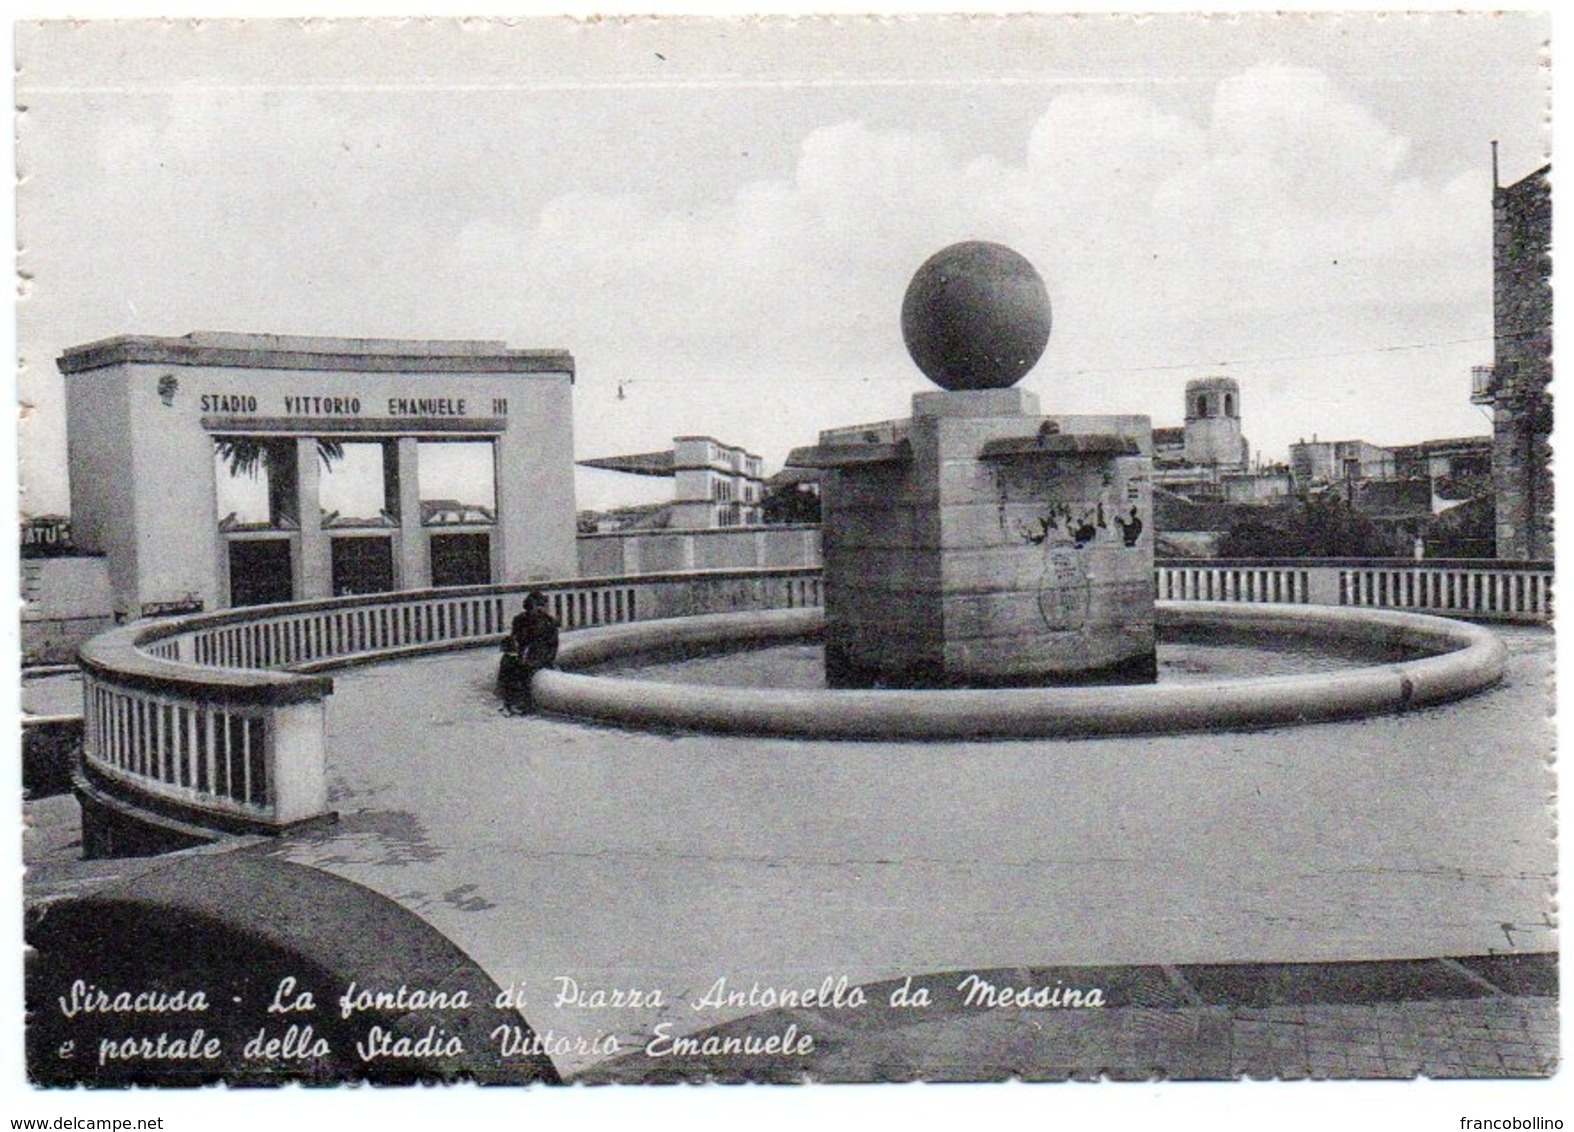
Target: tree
(790,503)
(275,456)
(1318,527)
(1466,531)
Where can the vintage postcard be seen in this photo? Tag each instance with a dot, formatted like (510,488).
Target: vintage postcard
(825,550)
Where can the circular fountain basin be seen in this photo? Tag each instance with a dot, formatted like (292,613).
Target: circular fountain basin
(1460,659)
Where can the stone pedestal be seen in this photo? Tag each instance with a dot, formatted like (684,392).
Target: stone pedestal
(981,543)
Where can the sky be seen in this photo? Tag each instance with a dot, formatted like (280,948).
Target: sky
(719,218)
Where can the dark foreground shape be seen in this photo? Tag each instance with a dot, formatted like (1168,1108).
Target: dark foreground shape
(50,748)
(241,968)
(513,684)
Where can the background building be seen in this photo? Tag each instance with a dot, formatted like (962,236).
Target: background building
(1208,459)
(715,484)
(1317,464)
(1213,423)
(718,485)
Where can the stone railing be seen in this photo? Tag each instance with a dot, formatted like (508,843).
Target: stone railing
(218,748)
(1479,589)
(216,720)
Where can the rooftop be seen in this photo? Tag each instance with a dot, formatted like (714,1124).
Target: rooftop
(639,464)
(286,351)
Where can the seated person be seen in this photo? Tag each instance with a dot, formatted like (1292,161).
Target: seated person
(531,645)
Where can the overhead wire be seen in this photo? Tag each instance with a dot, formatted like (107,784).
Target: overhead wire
(1159,368)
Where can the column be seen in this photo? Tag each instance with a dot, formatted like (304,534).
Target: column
(314,570)
(415,559)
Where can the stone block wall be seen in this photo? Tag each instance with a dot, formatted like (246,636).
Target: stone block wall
(945,567)
(66,600)
(1522,367)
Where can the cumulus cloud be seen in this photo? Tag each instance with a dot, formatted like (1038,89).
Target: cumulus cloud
(1290,199)
(1283,224)
(1283,218)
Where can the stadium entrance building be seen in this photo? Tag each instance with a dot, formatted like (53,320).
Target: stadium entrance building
(221,470)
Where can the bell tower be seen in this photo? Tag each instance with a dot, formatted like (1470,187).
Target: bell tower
(1213,422)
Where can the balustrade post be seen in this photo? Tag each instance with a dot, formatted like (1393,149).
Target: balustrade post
(297,760)
(1323,585)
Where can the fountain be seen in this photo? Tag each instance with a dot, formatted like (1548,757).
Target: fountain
(988,573)
(980,543)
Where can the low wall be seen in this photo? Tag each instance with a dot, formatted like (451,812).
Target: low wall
(65,602)
(725,548)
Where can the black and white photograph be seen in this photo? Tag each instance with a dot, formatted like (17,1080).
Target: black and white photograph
(1013,551)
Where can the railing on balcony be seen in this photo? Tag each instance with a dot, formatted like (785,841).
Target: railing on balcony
(217,718)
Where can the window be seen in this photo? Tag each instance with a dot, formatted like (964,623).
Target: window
(461,559)
(254,478)
(359,486)
(362,565)
(260,572)
(458,482)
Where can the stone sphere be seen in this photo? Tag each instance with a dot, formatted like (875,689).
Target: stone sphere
(976,316)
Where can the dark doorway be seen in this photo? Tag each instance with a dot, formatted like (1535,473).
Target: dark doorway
(362,566)
(260,571)
(462,560)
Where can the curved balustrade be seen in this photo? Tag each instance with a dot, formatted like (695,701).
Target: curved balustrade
(217,719)
(1242,582)
(1499,592)
(221,748)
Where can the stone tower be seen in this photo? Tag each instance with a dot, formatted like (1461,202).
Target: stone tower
(1213,422)
(1522,366)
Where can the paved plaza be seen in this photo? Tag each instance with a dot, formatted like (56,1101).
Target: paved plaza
(548,848)
(1431,1018)
(551,850)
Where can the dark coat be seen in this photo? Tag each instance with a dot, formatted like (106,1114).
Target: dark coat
(535,633)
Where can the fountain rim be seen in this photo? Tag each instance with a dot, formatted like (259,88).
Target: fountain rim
(1472,659)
